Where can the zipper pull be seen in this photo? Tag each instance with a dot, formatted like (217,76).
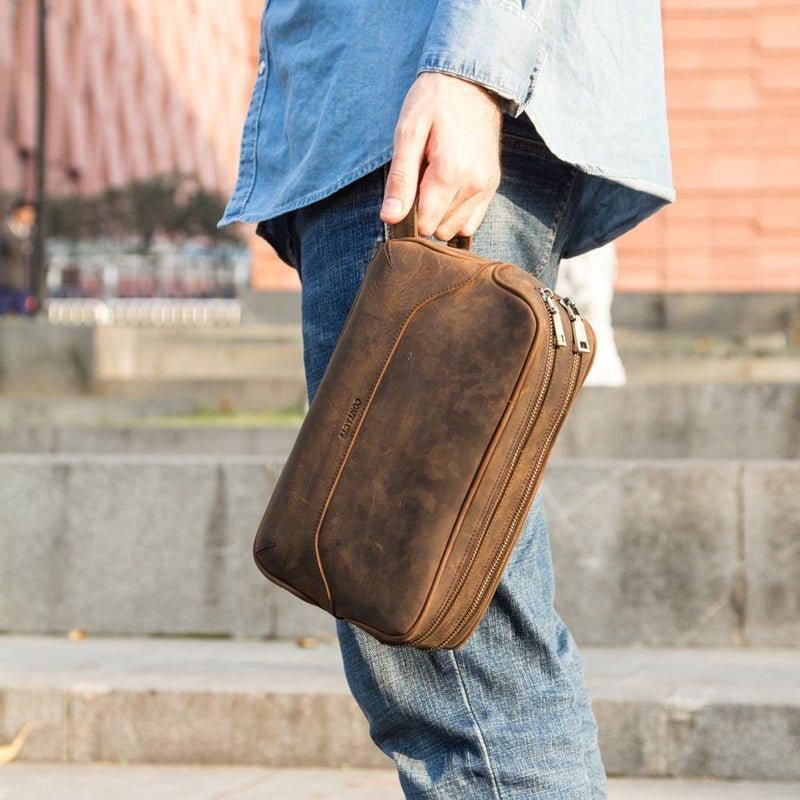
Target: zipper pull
(558,325)
(579,334)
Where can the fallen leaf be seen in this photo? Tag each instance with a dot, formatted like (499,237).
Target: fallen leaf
(8,752)
(327,638)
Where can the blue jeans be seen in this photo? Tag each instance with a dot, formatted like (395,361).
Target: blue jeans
(505,716)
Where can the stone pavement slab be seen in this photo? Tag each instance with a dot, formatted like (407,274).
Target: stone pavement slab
(101,782)
(680,420)
(724,713)
(671,552)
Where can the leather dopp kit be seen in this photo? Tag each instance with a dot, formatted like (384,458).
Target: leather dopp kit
(419,458)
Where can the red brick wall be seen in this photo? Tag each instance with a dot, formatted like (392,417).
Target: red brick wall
(123,97)
(733,88)
(267,270)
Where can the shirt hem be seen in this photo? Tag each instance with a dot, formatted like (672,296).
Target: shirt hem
(270,212)
(664,192)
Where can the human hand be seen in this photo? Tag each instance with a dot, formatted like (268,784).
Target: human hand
(450,129)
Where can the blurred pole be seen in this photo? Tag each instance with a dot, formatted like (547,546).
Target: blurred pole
(39,256)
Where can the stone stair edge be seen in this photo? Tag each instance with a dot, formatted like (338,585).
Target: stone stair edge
(97,661)
(272,458)
(36,782)
(685,731)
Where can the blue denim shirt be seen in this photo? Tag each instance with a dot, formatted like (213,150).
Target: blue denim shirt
(333,74)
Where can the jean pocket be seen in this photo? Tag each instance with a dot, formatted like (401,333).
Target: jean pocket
(277,233)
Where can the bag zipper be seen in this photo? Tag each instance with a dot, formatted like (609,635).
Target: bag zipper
(552,338)
(579,336)
(556,339)
(558,325)
(515,520)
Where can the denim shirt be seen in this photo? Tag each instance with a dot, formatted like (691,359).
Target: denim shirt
(333,74)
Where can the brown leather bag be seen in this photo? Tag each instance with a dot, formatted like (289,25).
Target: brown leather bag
(425,443)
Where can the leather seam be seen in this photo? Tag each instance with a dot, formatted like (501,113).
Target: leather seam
(371,394)
(494,492)
(498,265)
(276,580)
(564,396)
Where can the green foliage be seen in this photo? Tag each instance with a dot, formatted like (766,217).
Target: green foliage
(170,205)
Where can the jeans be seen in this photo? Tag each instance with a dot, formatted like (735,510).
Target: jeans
(506,715)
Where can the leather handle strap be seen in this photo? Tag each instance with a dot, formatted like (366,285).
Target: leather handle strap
(408,227)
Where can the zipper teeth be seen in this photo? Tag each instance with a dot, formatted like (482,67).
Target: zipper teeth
(518,513)
(534,412)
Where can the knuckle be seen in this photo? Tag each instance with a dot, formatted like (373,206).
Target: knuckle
(409,129)
(446,168)
(426,224)
(482,178)
(399,176)
(444,233)
(474,183)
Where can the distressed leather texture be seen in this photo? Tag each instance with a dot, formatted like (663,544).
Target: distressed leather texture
(426,441)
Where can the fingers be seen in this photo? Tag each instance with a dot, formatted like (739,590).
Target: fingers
(410,139)
(464,216)
(453,126)
(453,198)
(437,193)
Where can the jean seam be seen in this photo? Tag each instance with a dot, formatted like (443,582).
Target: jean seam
(481,739)
(547,250)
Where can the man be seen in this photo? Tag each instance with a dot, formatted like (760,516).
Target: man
(16,248)
(539,127)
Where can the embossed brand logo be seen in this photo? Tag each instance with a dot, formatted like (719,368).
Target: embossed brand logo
(350,418)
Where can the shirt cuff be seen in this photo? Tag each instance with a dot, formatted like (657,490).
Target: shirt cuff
(494,43)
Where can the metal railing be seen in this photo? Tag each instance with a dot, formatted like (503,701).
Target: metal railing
(144,311)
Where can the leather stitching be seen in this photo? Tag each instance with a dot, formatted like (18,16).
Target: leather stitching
(564,397)
(368,403)
(494,495)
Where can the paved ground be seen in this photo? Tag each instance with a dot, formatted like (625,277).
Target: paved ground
(689,675)
(103,782)
(717,713)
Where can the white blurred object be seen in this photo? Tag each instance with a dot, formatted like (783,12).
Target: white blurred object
(589,281)
(144,311)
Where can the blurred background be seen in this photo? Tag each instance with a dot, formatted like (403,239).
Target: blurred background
(151,385)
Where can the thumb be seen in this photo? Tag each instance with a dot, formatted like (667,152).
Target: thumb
(401,184)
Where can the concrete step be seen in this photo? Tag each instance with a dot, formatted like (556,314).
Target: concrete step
(99,782)
(655,421)
(671,552)
(701,420)
(686,342)
(661,713)
(244,366)
(21,416)
(644,369)
(183,436)
(684,355)
(245,394)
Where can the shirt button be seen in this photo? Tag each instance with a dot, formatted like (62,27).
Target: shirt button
(262,67)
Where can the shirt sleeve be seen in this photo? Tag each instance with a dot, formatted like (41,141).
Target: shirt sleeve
(495,43)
